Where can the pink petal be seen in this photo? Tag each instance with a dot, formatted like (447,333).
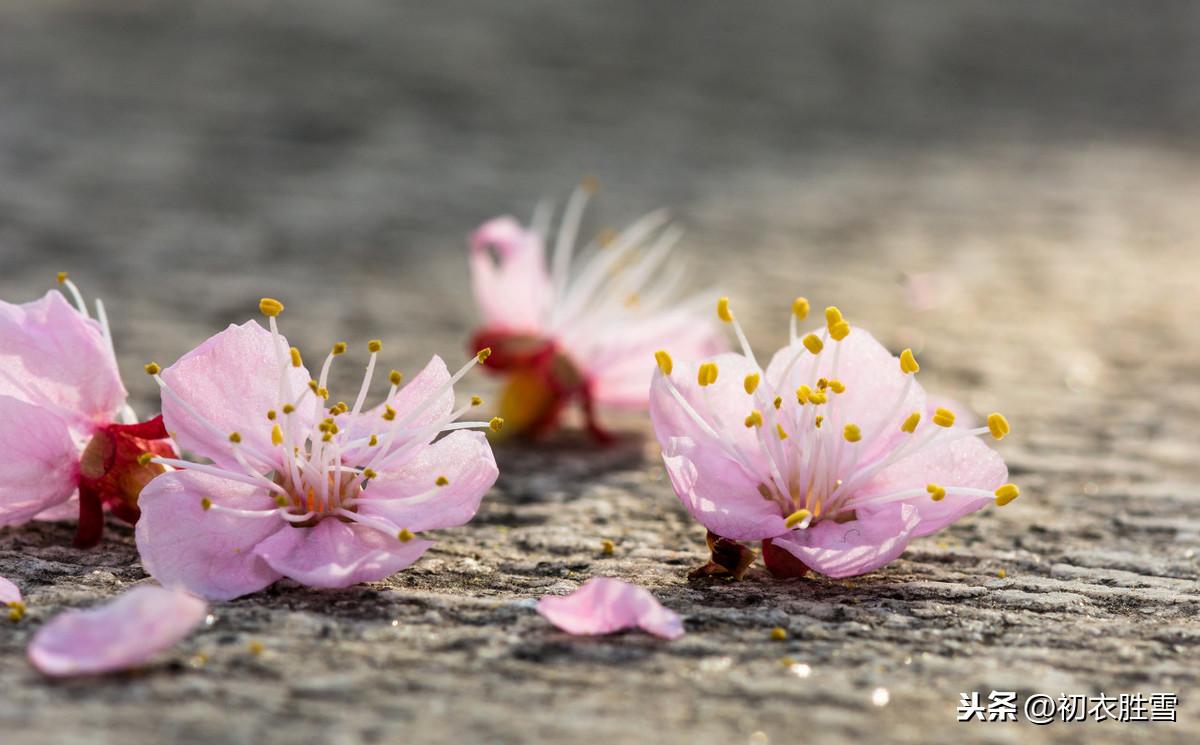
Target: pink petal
(337,554)
(120,634)
(604,605)
(206,552)
(39,461)
(9,593)
(231,380)
(718,493)
(52,356)
(410,498)
(418,394)
(512,287)
(622,379)
(855,547)
(874,384)
(965,462)
(68,510)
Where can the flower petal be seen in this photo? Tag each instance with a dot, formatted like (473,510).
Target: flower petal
(52,356)
(509,277)
(618,374)
(419,398)
(120,634)
(410,497)
(333,553)
(207,552)
(856,547)
(966,461)
(718,493)
(9,593)
(39,461)
(231,380)
(604,605)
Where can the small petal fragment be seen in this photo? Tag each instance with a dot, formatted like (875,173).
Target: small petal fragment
(121,634)
(604,605)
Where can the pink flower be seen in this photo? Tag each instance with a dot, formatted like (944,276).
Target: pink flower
(604,605)
(123,633)
(561,335)
(65,429)
(827,456)
(10,598)
(327,496)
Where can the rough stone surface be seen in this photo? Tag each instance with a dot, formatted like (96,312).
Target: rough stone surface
(1003,186)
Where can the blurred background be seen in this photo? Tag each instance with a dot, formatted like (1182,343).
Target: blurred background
(1010,188)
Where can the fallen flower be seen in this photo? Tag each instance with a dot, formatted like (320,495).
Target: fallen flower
(603,605)
(65,428)
(559,336)
(827,456)
(326,496)
(10,598)
(120,634)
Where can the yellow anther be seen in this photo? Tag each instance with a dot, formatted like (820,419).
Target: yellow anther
(833,316)
(270,307)
(1002,574)
(205,504)
(607,547)
(323,393)
(338,348)
(822,383)
(235,438)
(374,346)
(328,436)
(936,493)
(751,383)
(314,386)
(606,236)
(778,401)
(339,408)
(388,412)
(837,386)
(405,535)
(723,311)
(271,414)
(852,433)
(62,277)
(288,408)
(276,435)
(943,417)
(369,473)
(839,331)
(482,355)
(800,308)
(664,361)
(145,458)
(779,634)
(1006,494)
(256,647)
(152,368)
(803,394)
(395,377)
(707,374)
(813,343)
(908,363)
(997,425)
(496,424)
(476,401)
(818,397)
(796,518)
(589,185)
(281,500)
(818,421)
(754,419)
(373,441)
(910,424)
(780,431)
(442,481)
(16,611)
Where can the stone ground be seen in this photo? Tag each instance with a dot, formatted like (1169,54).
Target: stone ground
(1009,188)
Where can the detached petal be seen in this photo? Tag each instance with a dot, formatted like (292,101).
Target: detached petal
(509,276)
(337,554)
(52,356)
(120,634)
(39,461)
(9,593)
(207,552)
(231,380)
(410,497)
(604,605)
(856,547)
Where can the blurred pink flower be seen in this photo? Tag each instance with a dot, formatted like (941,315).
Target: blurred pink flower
(65,429)
(604,605)
(561,335)
(326,496)
(120,634)
(827,456)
